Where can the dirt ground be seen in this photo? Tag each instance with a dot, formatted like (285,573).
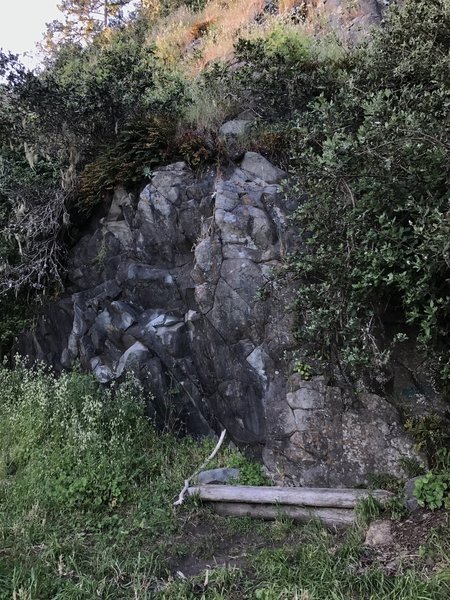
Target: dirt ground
(209,542)
(414,542)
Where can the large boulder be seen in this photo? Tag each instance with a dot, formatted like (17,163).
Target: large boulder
(176,284)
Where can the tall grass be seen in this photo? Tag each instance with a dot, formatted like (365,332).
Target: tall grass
(85,480)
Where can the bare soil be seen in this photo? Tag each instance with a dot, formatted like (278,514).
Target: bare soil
(208,542)
(412,542)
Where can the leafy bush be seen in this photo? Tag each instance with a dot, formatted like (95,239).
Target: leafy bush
(433,490)
(432,438)
(197,148)
(100,111)
(372,152)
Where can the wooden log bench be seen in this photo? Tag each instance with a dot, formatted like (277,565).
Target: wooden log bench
(332,506)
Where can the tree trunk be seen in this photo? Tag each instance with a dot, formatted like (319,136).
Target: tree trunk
(335,518)
(295,496)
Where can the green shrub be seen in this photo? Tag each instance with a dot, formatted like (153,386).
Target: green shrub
(371,152)
(100,111)
(250,472)
(433,490)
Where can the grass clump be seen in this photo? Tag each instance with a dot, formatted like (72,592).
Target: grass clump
(86,487)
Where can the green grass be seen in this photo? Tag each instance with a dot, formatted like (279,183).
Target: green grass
(317,567)
(86,511)
(87,487)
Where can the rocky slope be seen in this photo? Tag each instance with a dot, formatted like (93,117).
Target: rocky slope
(176,284)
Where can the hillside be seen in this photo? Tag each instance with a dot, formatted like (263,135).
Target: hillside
(236,212)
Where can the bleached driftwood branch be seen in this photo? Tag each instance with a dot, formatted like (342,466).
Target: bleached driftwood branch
(207,461)
(293,496)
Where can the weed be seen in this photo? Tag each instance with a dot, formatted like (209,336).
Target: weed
(431,434)
(250,472)
(412,467)
(367,510)
(303,369)
(433,490)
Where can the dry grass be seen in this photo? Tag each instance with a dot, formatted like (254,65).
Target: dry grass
(192,40)
(173,34)
(230,20)
(216,26)
(208,109)
(287,5)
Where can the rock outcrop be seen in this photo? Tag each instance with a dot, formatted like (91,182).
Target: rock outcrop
(350,20)
(177,285)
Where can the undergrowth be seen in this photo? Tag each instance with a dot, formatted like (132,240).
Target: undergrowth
(86,510)
(87,487)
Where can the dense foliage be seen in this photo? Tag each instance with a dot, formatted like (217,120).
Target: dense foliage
(365,133)
(373,158)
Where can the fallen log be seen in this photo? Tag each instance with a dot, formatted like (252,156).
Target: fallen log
(294,496)
(331,517)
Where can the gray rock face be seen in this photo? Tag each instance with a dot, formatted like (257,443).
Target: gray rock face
(232,134)
(261,168)
(349,20)
(336,443)
(175,285)
(234,128)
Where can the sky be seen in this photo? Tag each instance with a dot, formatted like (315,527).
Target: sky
(22,24)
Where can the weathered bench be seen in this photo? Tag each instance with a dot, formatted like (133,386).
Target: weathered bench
(333,506)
